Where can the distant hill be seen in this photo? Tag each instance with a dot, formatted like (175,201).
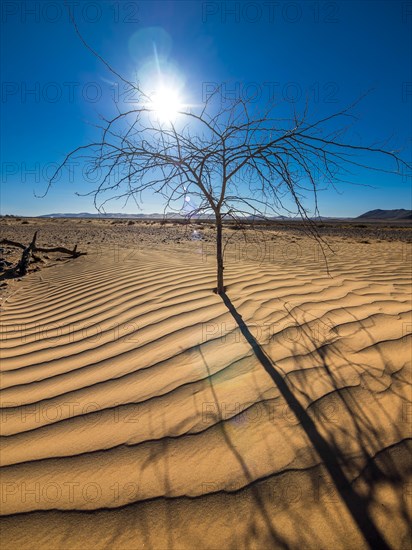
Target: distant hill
(400,214)
(168,215)
(111,215)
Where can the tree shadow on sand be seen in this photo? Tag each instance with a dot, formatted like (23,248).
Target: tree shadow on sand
(356,504)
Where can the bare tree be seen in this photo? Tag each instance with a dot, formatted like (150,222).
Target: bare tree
(228,160)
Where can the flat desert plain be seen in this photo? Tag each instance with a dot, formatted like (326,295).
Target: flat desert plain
(142,410)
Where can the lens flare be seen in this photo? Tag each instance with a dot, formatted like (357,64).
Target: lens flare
(166,104)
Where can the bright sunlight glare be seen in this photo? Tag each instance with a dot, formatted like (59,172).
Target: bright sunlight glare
(166,104)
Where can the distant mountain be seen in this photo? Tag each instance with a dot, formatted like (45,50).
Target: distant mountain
(176,215)
(400,214)
(168,215)
(257,217)
(111,215)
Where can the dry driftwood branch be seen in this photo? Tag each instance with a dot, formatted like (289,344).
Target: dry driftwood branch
(61,249)
(22,266)
(30,252)
(12,243)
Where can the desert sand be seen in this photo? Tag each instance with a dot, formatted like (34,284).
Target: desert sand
(140,410)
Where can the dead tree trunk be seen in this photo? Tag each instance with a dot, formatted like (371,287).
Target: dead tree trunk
(23,264)
(219,255)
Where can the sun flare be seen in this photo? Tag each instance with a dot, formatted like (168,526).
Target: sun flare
(166,104)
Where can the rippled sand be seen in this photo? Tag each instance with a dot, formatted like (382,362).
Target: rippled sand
(141,411)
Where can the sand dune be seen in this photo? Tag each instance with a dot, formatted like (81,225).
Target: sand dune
(138,411)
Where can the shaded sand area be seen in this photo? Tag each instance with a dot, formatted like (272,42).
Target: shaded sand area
(140,410)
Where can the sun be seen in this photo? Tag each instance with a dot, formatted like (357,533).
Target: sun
(166,104)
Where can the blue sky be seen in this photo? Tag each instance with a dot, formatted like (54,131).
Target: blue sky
(53,89)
